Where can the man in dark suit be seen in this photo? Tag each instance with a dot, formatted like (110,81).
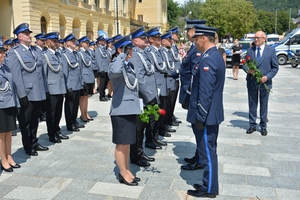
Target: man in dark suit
(265,57)
(205,111)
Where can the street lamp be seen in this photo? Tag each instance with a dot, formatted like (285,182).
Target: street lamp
(117,8)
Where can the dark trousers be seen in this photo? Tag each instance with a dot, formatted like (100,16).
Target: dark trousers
(164,105)
(28,120)
(253,102)
(103,83)
(43,108)
(174,98)
(207,149)
(151,130)
(54,112)
(71,108)
(168,117)
(136,150)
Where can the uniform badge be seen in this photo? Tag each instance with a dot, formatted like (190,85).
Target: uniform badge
(196,67)
(198,54)
(206,69)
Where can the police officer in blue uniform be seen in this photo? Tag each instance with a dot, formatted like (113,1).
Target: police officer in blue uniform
(147,91)
(205,111)
(72,74)
(8,44)
(16,42)
(166,41)
(40,47)
(154,54)
(125,107)
(103,60)
(177,62)
(8,112)
(27,70)
(88,78)
(61,47)
(191,58)
(56,86)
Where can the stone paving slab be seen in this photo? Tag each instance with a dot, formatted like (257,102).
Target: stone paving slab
(251,167)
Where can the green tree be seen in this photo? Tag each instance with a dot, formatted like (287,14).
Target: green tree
(173,13)
(191,9)
(234,17)
(265,22)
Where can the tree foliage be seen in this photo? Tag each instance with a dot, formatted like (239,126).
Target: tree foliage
(173,13)
(234,17)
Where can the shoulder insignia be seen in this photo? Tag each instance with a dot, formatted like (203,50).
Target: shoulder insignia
(15,47)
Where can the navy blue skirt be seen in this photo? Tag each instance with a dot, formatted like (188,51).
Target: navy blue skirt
(124,129)
(8,119)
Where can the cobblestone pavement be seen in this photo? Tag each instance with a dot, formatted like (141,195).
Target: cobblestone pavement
(250,166)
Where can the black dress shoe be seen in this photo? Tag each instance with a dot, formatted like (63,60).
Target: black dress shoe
(147,158)
(190,160)
(85,121)
(16,166)
(61,136)
(169,129)
(174,124)
(152,145)
(32,152)
(122,180)
(54,139)
(141,163)
(73,128)
(40,148)
(177,121)
(14,133)
(103,99)
(198,186)
(90,119)
(79,125)
(198,193)
(191,166)
(251,130)
(263,132)
(159,142)
(8,169)
(164,134)
(136,179)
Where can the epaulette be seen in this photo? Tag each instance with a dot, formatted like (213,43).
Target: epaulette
(148,49)
(63,51)
(15,47)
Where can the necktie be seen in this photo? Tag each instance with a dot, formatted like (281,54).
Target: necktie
(29,49)
(258,55)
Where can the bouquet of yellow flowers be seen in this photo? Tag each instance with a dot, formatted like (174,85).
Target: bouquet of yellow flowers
(257,74)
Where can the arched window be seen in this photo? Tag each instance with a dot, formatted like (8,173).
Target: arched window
(43,25)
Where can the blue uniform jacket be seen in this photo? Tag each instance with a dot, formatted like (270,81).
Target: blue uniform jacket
(54,72)
(155,57)
(102,59)
(268,66)
(167,57)
(192,57)
(85,62)
(71,69)
(8,94)
(126,99)
(144,71)
(27,72)
(93,56)
(206,102)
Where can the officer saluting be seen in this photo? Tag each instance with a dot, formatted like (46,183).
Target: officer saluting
(27,70)
(56,85)
(205,111)
(72,74)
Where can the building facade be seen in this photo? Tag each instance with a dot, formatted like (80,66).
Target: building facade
(82,17)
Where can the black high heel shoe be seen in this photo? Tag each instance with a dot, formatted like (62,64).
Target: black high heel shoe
(7,170)
(122,180)
(136,179)
(83,120)
(90,119)
(15,166)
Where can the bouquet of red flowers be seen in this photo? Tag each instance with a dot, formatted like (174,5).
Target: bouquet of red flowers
(151,110)
(257,74)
